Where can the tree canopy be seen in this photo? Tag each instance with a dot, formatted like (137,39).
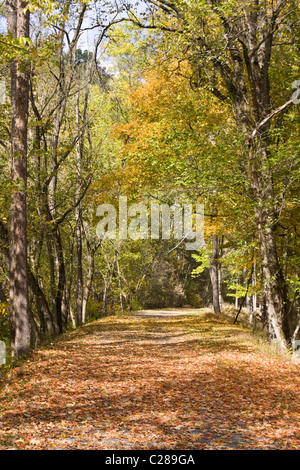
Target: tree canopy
(188,102)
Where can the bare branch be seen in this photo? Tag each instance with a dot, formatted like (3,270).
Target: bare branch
(270,116)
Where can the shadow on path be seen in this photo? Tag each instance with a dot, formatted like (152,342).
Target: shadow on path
(144,382)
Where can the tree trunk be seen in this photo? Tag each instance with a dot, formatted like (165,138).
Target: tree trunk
(2,296)
(79,290)
(265,215)
(35,336)
(79,293)
(42,304)
(61,282)
(120,287)
(107,278)
(18,24)
(275,295)
(221,301)
(214,277)
(254,298)
(89,281)
(104,299)
(49,243)
(66,303)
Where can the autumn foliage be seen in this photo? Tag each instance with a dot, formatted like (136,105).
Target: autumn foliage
(179,382)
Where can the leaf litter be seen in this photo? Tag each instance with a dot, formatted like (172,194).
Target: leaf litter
(133,382)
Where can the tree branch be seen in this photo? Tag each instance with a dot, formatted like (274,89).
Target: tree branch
(270,116)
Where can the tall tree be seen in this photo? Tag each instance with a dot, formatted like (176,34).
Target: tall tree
(18,25)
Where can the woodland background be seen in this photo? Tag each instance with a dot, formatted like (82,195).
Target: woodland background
(159,101)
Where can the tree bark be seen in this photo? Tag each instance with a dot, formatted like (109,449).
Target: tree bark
(79,291)
(254,298)
(275,288)
(214,275)
(18,24)
(88,285)
(89,280)
(42,305)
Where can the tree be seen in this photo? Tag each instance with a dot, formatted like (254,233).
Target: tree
(230,47)
(18,25)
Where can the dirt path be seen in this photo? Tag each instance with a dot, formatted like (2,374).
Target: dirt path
(152,382)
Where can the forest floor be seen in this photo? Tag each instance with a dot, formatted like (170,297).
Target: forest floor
(152,381)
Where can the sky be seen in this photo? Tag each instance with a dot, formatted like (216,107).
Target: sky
(89,37)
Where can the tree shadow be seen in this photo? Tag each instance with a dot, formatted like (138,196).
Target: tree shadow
(185,392)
